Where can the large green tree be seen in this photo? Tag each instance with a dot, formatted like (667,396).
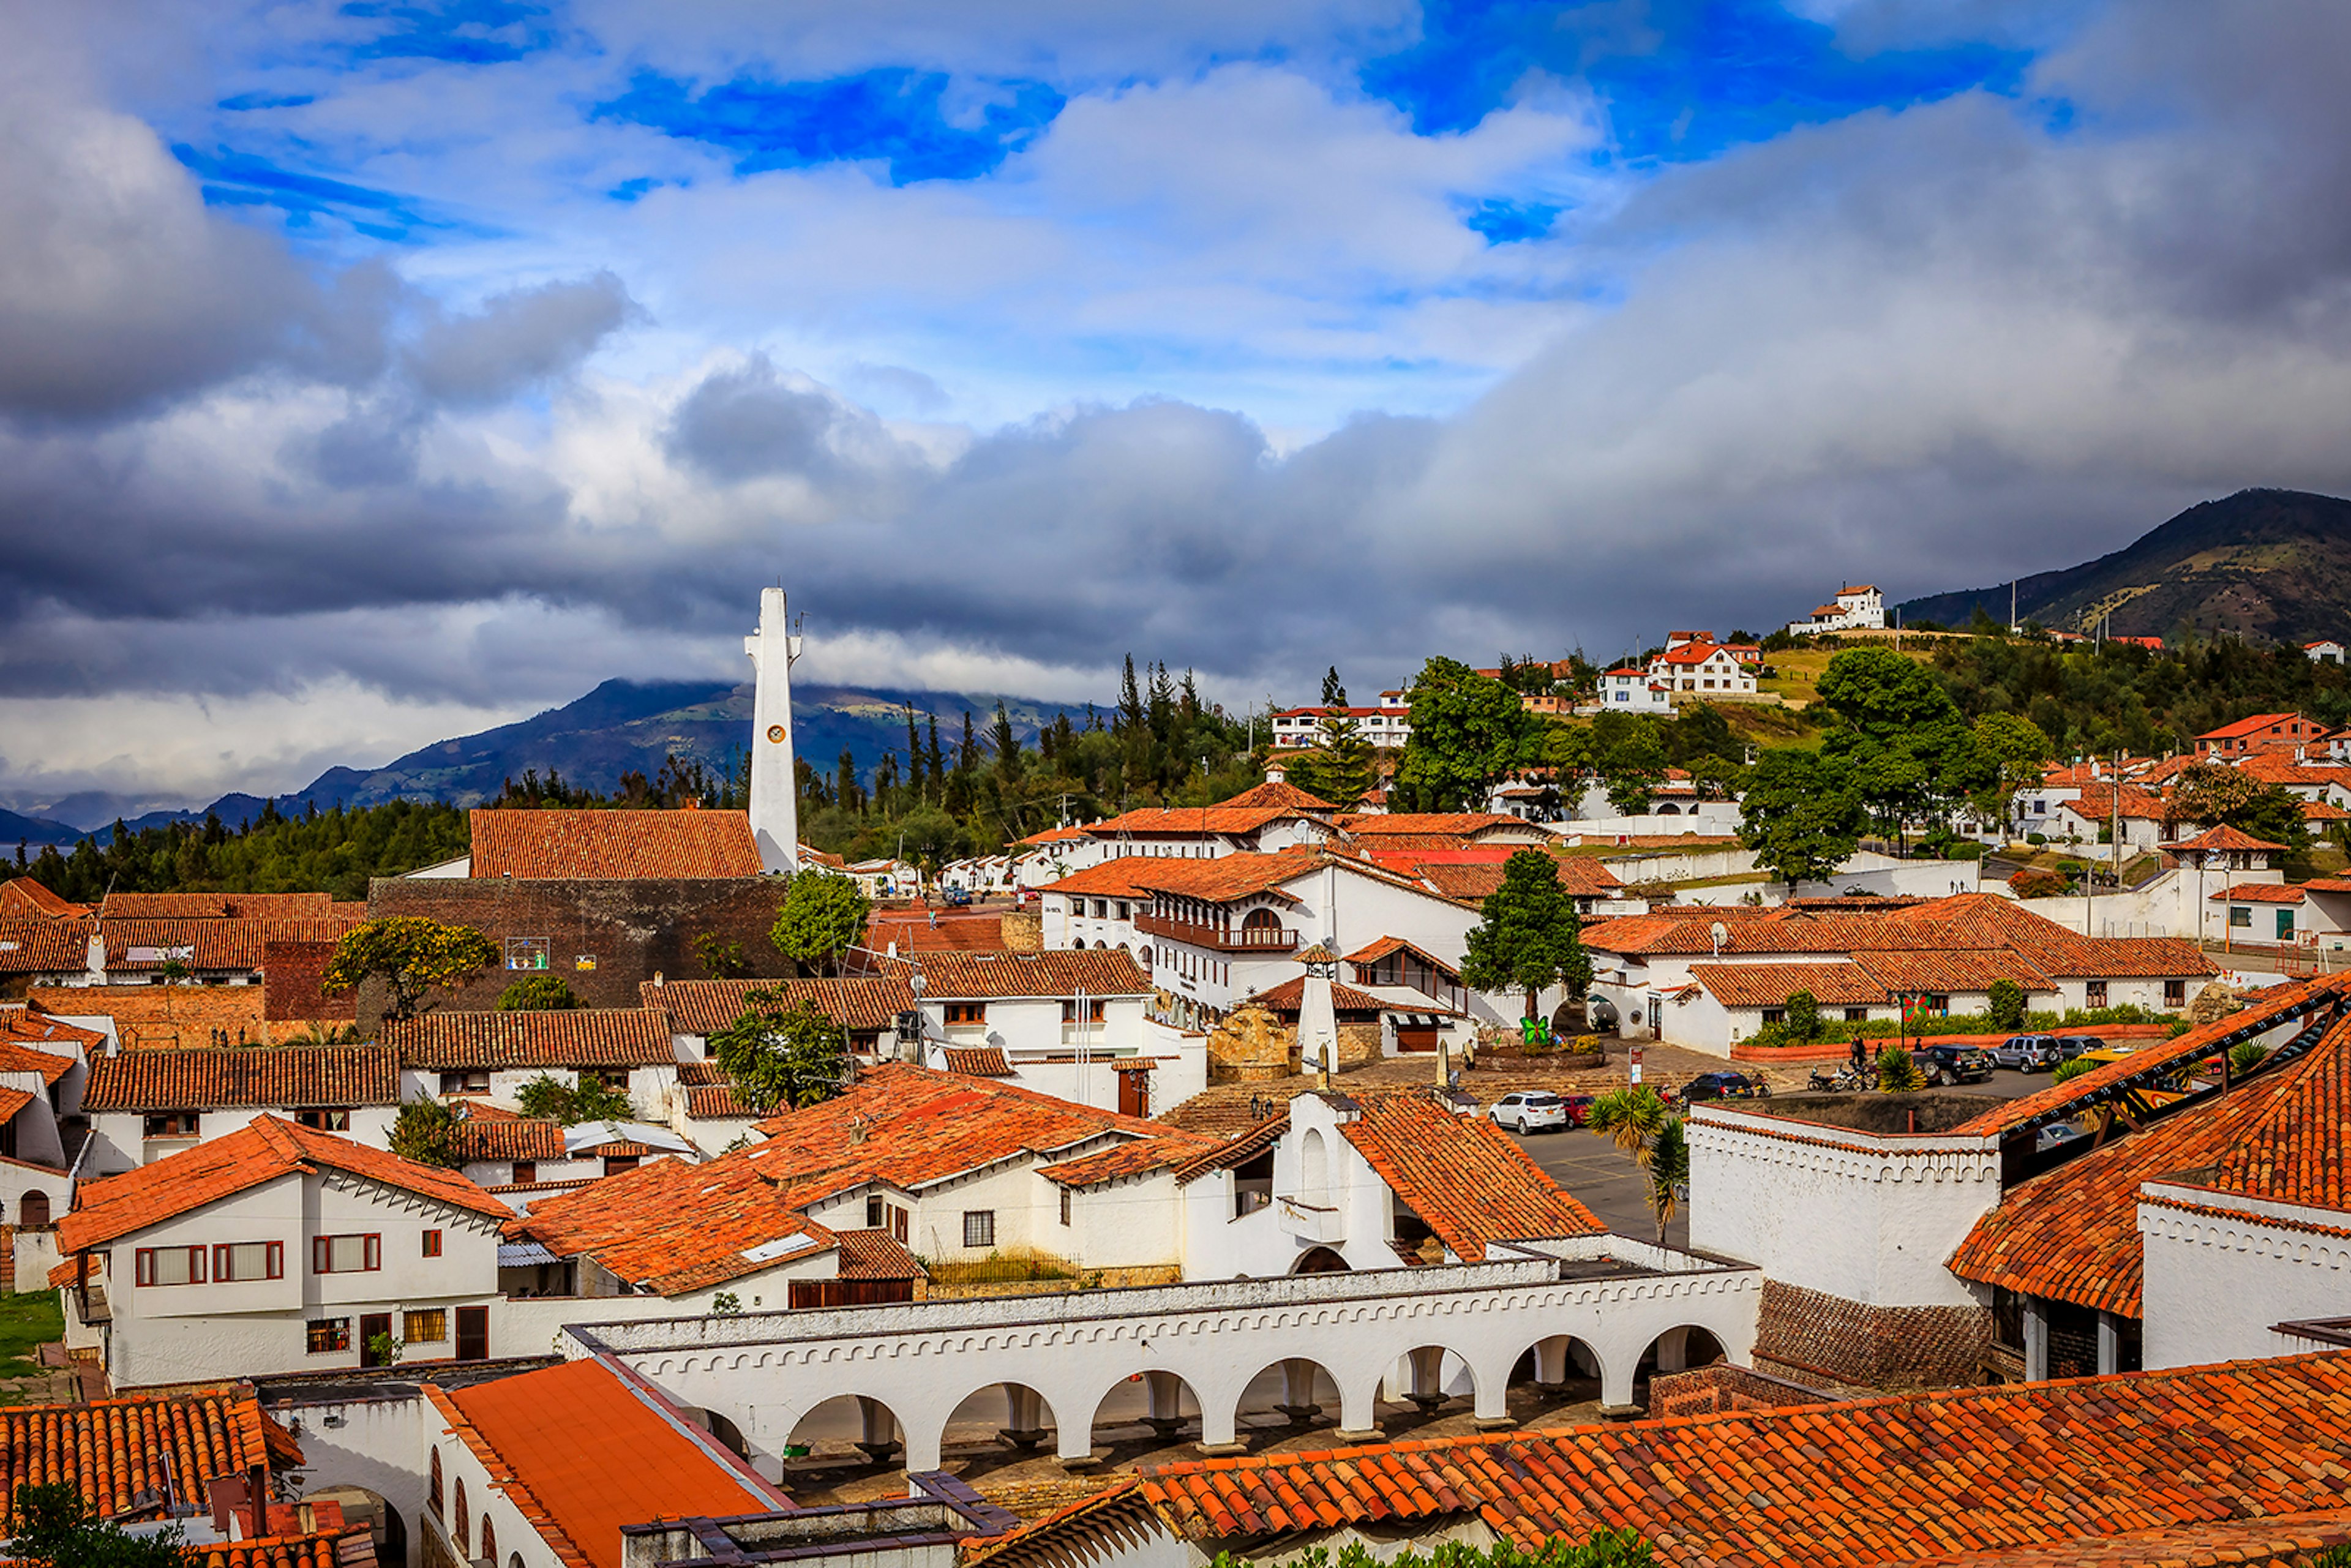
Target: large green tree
(582,1100)
(781,1053)
(55,1526)
(411,955)
(1905,748)
(1801,816)
(823,917)
(2017,754)
(425,1131)
(1529,937)
(1469,734)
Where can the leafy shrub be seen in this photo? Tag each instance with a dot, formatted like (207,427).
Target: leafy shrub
(2074,1069)
(2005,1004)
(537,994)
(2033,882)
(425,1131)
(2036,840)
(550,1097)
(1803,1021)
(1897,1073)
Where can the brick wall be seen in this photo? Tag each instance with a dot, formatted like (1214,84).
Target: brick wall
(625,931)
(159,1018)
(1813,1337)
(1723,1387)
(292,988)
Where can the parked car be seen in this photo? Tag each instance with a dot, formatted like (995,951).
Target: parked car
(956,897)
(1531,1111)
(2054,1135)
(1945,1064)
(2028,1053)
(1722,1086)
(2069,1046)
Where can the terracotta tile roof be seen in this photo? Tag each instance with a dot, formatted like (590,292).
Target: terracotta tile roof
(612,844)
(19,1058)
(1113,878)
(2257,892)
(219,907)
(576,1037)
(271,1077)
(1977,1472)
(1124,1160)
(1222,879)
(717,1103)
(2072,1234)
(35,946)
(978,1061)
(1463,1176)
(2276,1004)
(1452,824)
(877,1255)
(1283,797)
(1291,996)
(936,931)
(478,1137)
(979,976)
(114,1449)
(24,897)
(263,1150)
(13,1100)
(2320,811)
(31,1024)
(2327,885)
(1238,1149)
(147,943)
(345,1546)
(1160,822)
(1474,883)
(705,1006)
(1952,971)
(699,1074)
(1056,836)
(2225,838)
(579,1453)
(1771,985)
(1373,952)
(2253,725)
(630,1224)
(902,1126)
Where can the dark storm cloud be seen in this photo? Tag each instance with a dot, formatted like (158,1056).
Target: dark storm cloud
(517,340)
(1926,348)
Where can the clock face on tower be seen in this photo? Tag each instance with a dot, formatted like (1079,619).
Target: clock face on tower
(776,732)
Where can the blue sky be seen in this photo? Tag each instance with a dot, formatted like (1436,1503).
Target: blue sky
(372,371)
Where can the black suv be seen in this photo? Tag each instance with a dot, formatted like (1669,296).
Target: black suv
(1953,1063)
(1723,1086)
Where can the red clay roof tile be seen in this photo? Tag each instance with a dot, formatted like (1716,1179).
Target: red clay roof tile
(612,844)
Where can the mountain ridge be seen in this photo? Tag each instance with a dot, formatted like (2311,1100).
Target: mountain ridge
(619,726)
(2267,565)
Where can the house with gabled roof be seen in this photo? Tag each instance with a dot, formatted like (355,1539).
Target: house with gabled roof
(1704,977)
(145,1106)
(1856,608)
(494,1054)
(2258,732)
(279,1249)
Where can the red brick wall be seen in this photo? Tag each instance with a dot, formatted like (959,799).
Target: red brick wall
(291,992)
(629,929)
(1714,1390)
(1812,1337)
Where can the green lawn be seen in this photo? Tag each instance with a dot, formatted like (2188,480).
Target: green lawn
(30,1319)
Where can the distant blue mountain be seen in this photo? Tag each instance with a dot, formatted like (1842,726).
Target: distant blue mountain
(622,727)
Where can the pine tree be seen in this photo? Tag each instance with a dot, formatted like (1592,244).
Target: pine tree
(1334,694)
(1130,703)
(914,756)
(938,760)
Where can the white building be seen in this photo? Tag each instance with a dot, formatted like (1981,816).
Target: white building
(2326,651)
(146,1105)
(1855,608)
(494,1054)
(1631,689)
(1388,725)
(1709,977)
(1702,669)
(278,1249)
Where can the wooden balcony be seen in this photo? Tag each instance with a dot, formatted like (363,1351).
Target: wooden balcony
(1220,938)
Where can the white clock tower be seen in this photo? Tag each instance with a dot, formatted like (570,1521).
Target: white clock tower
(775,790)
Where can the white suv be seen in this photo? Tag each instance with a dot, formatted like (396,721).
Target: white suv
(1529,1111)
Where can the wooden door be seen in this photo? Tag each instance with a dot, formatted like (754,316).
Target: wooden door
(1134,1094)
(473,1333)
(372,1325)
(1416,1039)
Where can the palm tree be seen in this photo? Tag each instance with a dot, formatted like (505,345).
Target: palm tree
(1645,1127)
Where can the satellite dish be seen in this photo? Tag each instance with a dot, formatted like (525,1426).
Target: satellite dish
(1721,934)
